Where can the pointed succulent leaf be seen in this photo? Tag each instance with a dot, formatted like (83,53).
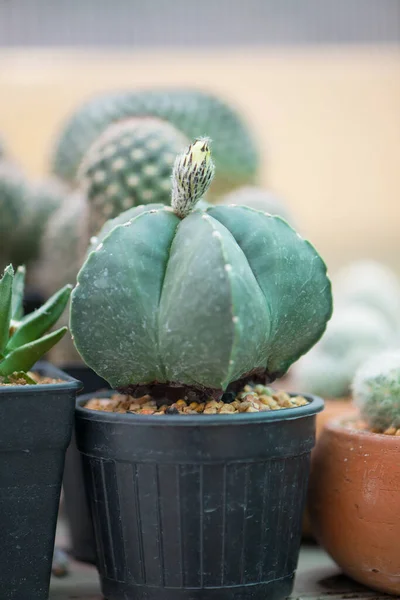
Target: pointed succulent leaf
(34,325)
(24,357)
(18,294)
(6,284)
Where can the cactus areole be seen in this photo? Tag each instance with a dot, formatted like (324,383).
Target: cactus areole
(177,297)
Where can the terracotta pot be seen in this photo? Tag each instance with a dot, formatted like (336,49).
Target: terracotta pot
(334,408)
(354,503)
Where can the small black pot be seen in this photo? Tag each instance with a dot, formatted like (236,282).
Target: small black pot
(197,507)
(35,430)
(32,300)
(79,519)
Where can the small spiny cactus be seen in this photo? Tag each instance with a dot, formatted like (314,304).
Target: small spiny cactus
(24,339)
(198,298)
(376,391)
(128,165)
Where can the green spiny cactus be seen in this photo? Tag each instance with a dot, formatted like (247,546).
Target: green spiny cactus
(64,243)
(202,299)
(24,340)
(192,112)
(353,334)
(258,199)
(24,208)
(63,250)
(128,165)
(371,284)
(376,390)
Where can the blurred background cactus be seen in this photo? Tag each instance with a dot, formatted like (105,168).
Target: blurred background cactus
(192,112)
(364,322)
(376,391)
(128,165)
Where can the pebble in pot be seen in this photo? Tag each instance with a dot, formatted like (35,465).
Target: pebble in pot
(182,309)
(355,482)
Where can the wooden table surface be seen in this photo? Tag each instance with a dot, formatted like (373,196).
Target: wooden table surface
(327,120)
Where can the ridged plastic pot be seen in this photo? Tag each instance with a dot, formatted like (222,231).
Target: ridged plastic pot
(35,429)
(79,519)
(197,507)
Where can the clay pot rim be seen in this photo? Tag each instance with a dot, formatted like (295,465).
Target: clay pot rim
(337,427)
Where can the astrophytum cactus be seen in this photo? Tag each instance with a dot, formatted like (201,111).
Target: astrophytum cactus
(192,112)
(376,390)
(24,339)
(200,299)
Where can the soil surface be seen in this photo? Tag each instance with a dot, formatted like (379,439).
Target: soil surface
(362,426)
(257,398)
(19,379)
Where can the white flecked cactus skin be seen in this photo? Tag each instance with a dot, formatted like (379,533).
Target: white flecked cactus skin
(376,390)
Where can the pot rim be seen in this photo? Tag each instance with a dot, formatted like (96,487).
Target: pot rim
(49,370)
(338,427)
(316,405)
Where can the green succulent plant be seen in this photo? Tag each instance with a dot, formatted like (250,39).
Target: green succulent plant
(192,112)
(376,390)
(24,339)
(128,165)
(178,296)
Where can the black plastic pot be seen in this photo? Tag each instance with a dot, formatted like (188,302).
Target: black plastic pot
(35,430)
(197,507)
(32,300)
(79,519)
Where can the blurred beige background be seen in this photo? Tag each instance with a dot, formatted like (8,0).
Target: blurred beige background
(327,120)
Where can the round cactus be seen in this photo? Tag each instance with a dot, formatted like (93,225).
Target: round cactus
(128,165)
(201,299)
(192,112)
(353,334)
(371,284)
(13,198)
(259,199)
(376,390)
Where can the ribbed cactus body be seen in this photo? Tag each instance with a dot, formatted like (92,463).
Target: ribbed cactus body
(130,164)
(259,199)
(203,300)
(192,112)
(376,390)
